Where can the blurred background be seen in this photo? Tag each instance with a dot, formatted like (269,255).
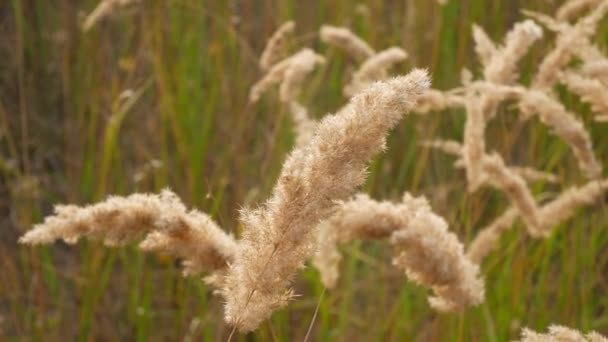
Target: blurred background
(156,95)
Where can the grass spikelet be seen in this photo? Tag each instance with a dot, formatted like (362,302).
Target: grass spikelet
(275,75)
(474,142)
(455,148)
(305,127)
(365,219)
(566,126)
(502,67)
(560,333)
(597,69)
(487,239)
(571,9)
(590,90)
(279,236)
(550,215)
(103,9)
(344,39)
(374,69)
(432,256)
(290,73)
(484,47)
(161,220)
(275,45)
(434,100)
(565,45)
(300,65)
(564,206)
(515,188)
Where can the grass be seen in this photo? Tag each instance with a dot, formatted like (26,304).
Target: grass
(190,65)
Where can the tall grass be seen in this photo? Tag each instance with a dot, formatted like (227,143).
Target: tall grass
(68,133)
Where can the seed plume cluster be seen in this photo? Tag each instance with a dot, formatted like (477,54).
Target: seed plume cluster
(561,333)
(573,61)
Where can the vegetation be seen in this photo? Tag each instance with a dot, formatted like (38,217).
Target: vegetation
(156,94)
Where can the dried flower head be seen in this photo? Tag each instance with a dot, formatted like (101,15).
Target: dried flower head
(416,232)
(374,68)
(279,236)
(560,333)
(346,40)
(276,44)
(162,221)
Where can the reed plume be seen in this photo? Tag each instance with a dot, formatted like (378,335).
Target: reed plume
(300,65)
(344,39)
(515,188)
(279,236)
(561,333)
(103,9)
(424,248)
(289,72)
(590,90)
(434,100)
(455,148)
(162,221)
(488,238)
(484,46)
(571,9)
(432,256)
(375,68)
(275,45)
(502,68)
(566,126)
(558,58)
(474,142)
(550,215)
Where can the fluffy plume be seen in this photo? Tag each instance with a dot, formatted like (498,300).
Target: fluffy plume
(360,218)
(455,148)
(550,214)
(305,127)
(560,333)
(571,9)
(103,9)
(484,47)
(344,39)
(161,220)
(375,68)
(452,276)
(474,142)
(566,41)
(290,72)
(434,100)
(502,67)
(486,241)
(597,69)
(515,188)
(566,126)
(365,219)
(533,175)
(300,65)
(563,207)
(275,75)
(279,236)
(590,90)
(553,114)
(602,118)
(276,44)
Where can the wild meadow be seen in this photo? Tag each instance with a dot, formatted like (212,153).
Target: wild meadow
(303,170)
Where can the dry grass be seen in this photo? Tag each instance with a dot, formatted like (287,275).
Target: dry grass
(179,111)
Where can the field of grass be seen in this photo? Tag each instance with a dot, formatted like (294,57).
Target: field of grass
(69,134)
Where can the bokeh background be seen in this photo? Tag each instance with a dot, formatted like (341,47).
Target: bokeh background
(155,96)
